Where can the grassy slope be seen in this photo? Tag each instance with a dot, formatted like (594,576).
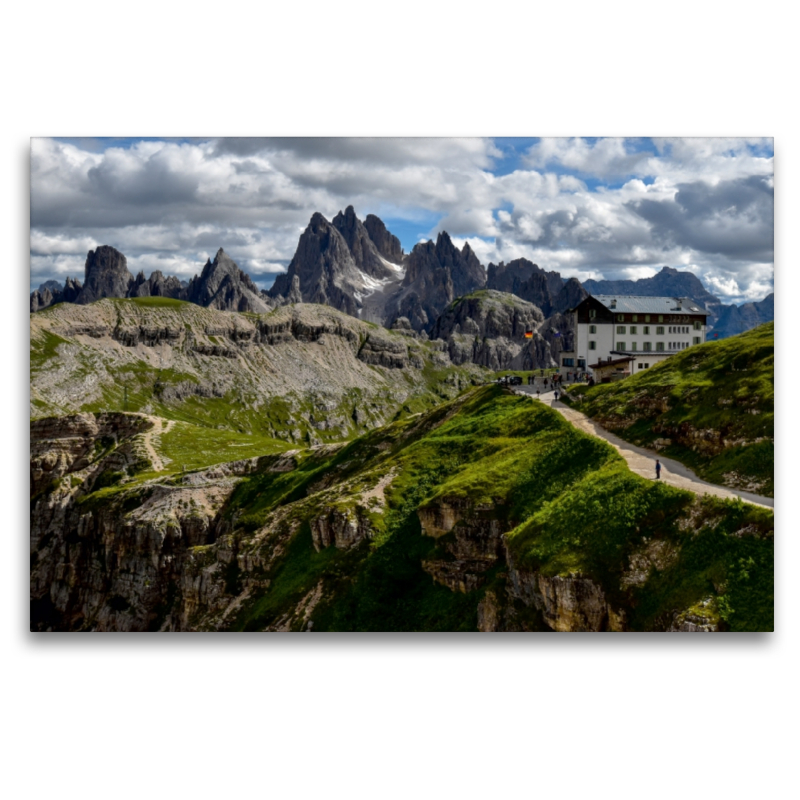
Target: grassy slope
(723,391)
(575,505)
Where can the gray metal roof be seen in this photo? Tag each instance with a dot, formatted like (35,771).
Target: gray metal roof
(649,305)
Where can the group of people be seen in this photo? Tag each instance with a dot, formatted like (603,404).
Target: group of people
(557,379)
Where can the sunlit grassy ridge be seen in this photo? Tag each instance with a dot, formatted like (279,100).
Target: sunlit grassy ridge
(715,402)
(572,504)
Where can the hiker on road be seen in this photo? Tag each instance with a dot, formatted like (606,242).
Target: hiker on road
(658,470)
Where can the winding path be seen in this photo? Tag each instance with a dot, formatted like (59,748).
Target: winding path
(159,426)
(642,461)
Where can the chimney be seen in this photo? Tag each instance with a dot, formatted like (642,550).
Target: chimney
(614,303)
(679,303)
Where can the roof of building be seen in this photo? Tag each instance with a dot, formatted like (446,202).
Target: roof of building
(612,362)
(648,305)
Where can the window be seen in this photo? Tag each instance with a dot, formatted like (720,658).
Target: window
(620,345)
(592,313)
(633,347)
(593,345)
(646,330)
(647,366)
(633,329)
(647,318)
(620,318)
(696,340)
(659,331)
(635,318)
(647,347)
(568,362)
(698,326)
(670,328)
(660,317)
(620,329)
(593,329)
(659,347)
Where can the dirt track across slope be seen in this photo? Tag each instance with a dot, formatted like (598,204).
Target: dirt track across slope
(642,461)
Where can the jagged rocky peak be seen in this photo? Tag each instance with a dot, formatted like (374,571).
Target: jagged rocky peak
(364,251)
(224,286)
(526,280)
(106,275)
(338,264)
(571,294)
(435,275)
(388,245)
(323,264)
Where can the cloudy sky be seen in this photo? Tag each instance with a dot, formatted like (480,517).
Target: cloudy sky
(590,208)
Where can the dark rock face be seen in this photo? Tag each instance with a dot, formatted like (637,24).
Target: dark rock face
(488,328)
(51,292)
(363,250)
(41,298)
(161,286)
(155,286)
(338,264)
(106,275)
(528,281)
(738,319)
(571,294)
(388,246)
(224,286)
(435,275)
(668,283)
(322,264)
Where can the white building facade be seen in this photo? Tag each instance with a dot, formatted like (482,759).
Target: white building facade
(645,329)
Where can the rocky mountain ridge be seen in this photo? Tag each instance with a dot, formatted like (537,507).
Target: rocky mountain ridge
(547,290)
(360,268)
(221,285)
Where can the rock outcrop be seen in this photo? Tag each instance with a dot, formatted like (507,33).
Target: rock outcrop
(526,280)
(364,251)
(436,274)
(106,275)
(156,286)
(222,285)
(387,244)
(51,292)
(337,264)
(489,328)
(571,294)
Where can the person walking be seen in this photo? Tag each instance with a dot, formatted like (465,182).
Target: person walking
(658,470)
(556,395)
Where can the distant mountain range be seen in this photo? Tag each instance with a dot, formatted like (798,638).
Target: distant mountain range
(360,268)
